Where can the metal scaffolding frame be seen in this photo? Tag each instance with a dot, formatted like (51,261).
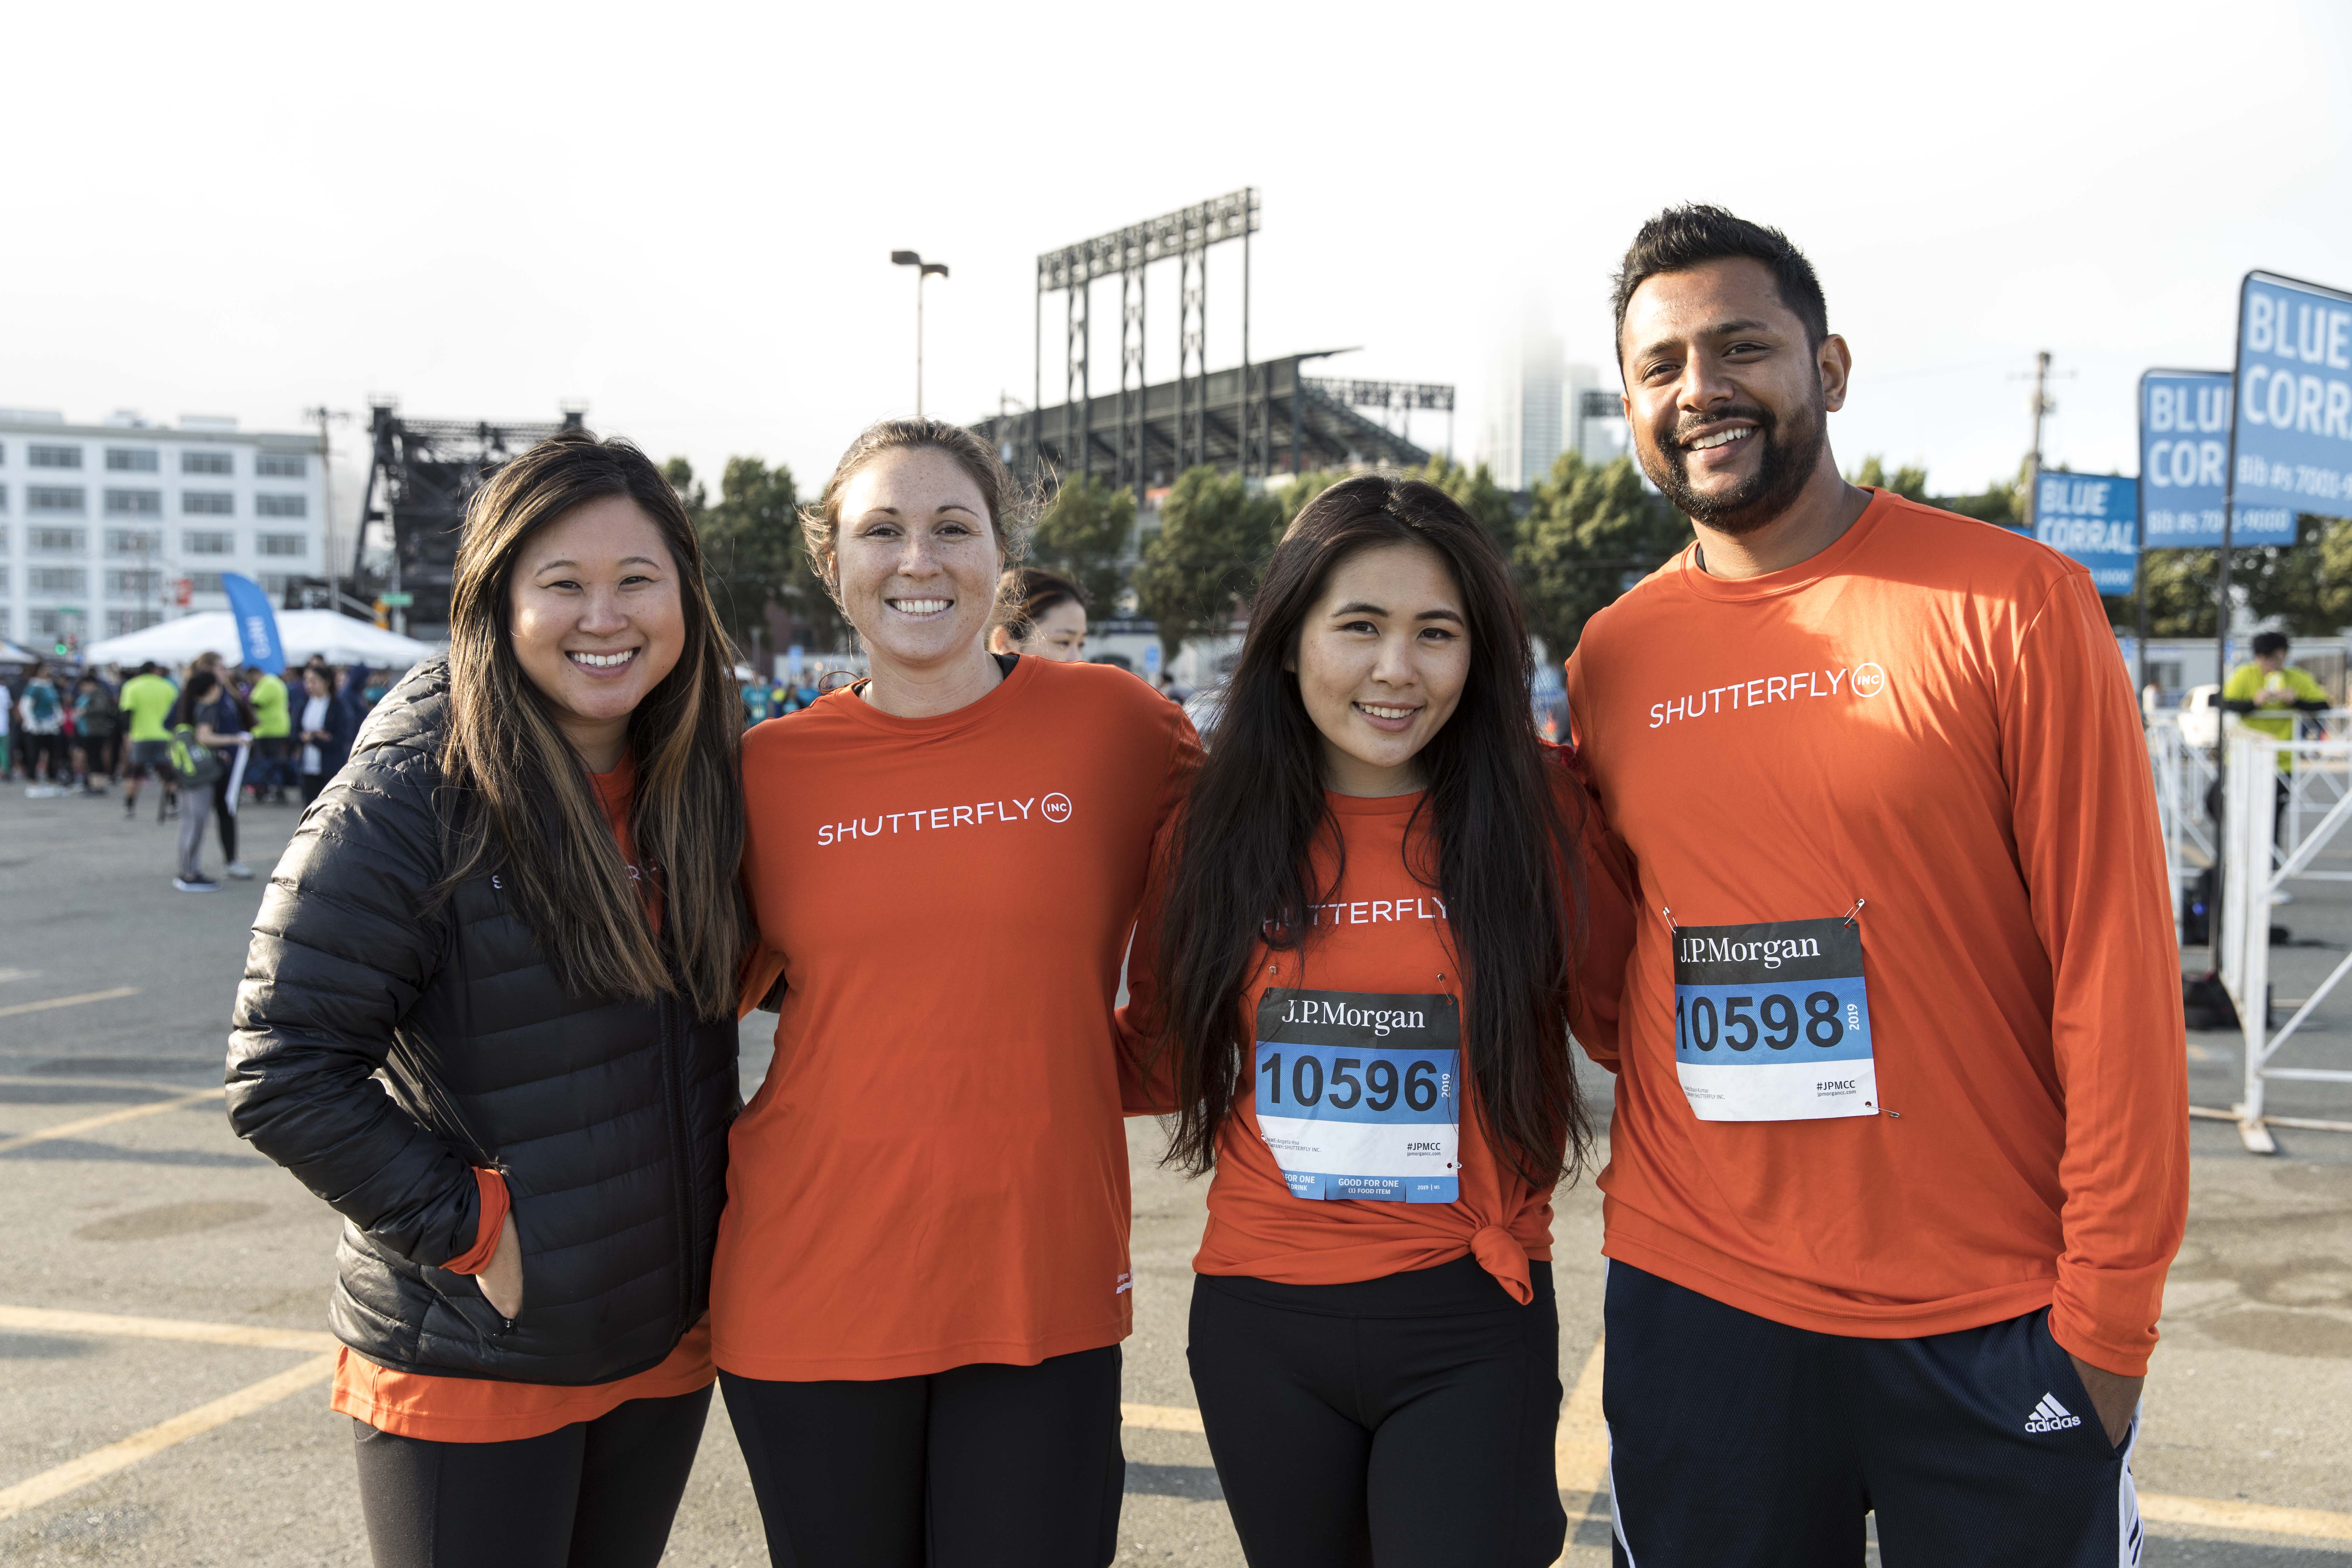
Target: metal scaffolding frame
(1184,236)
(1403,396)
(425,471)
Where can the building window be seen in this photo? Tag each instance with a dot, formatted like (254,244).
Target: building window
(207,503)
(281,506)
(135,542)
(133,585)
(4,576)
(134,503)
(69,498)
(120,622)
(54,456)
(207,543)
(131,459)
(68,580)
(206,583)
(4,536)
(281,544)
(204,463)
(277,585)
(57,541)
(52,626)
(4,498)
(281,465)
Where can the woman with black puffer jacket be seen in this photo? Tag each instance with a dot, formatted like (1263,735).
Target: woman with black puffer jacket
(519,900)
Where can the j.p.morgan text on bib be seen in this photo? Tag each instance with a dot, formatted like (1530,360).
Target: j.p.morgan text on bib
(1359,1093)
(1772,1021)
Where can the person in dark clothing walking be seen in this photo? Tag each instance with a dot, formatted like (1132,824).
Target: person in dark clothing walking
(520,902)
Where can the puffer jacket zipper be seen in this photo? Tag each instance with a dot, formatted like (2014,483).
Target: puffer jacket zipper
(674,1089)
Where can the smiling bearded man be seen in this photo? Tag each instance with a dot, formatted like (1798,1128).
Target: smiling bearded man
(1899,1153)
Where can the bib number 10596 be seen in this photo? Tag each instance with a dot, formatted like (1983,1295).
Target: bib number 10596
(1772,1021)
(1358,1093)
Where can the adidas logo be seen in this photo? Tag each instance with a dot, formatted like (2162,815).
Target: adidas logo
(2050,1416)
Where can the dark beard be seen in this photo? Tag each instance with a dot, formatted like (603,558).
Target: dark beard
(1764,495)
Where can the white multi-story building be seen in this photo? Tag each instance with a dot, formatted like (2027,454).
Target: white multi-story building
(101,525)
(1525,407)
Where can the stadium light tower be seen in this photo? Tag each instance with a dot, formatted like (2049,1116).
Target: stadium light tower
(922,269)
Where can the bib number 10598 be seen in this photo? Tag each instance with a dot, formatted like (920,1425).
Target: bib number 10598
(1772,1021)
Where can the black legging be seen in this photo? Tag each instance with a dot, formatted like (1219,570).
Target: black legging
(1407,1421)
(225,816)
(596,1494)
(989,1466)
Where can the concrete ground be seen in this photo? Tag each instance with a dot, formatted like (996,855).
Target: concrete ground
(163,1291)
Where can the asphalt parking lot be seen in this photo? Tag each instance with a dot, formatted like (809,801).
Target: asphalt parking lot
(163,1356)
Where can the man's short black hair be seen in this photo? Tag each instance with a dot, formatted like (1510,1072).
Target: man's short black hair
(1680,238)
(2268,643)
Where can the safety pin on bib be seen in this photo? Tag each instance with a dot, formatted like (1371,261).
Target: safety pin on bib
(1670,919)
(1854,911)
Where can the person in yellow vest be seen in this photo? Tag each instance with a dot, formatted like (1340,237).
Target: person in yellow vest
(273,732)
(2270,692)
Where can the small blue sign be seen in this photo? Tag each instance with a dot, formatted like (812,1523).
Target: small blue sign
(2184,465)
(257,623)
(1151,658)
(2294,398)
(2094,518)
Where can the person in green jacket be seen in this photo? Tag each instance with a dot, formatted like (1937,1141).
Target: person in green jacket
(273,731)
(2270,692)
(146,702)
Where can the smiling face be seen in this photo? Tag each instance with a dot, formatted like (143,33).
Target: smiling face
(1381,660)
(1059,633)
(916,558)
(1727,398)
(596,619)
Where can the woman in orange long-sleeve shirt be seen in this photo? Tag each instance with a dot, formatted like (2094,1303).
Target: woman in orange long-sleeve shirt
(1366,959)
(923,1278)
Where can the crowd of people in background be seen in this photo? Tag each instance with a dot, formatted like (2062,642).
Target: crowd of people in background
(213,735)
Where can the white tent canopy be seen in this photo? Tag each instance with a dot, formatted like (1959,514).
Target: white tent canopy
(337,639)
(11,654)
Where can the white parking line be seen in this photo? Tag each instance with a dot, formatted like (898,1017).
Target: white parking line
(99,1463)
(69,1001)
(91,1123)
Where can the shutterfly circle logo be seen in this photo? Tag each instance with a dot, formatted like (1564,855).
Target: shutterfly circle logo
(1055,808)
(1869,680)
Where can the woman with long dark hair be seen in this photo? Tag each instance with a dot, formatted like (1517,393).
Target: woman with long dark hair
(922,1279)
(518,903)
(209,727)
(1044,613)
(1363,981)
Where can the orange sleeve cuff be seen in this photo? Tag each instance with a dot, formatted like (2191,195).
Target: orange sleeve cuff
(495,1204)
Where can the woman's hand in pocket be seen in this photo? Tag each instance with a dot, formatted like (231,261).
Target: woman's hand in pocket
(501,1280)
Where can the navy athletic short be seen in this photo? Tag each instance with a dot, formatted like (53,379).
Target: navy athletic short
(1737,1442)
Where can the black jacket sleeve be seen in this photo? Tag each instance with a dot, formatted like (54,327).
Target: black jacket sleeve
(340,952)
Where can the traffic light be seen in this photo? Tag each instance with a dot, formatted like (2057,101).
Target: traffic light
(382,617)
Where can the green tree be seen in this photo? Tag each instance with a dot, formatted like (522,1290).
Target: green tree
(1594,531)
(1083,534)
(1478,494)
(752,552)
(1215,534)
(1909,481)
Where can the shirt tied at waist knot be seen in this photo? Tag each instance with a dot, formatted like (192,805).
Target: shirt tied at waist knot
(1499,1252)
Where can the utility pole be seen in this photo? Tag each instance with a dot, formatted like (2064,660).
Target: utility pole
(2042,405)
(326,417)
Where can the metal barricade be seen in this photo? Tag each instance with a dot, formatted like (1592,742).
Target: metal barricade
(2253,868)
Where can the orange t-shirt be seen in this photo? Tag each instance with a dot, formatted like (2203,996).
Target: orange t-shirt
(935,1172)
(1928,716)
(489,1410)
(1380,944)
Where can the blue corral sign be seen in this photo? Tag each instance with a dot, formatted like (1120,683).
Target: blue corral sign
(2184,465)
(2294,398)
(2094,518)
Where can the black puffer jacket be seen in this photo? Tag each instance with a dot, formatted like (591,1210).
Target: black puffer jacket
(608,1118)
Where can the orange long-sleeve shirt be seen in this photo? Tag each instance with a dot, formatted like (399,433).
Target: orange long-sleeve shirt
(1930,717)
(935,1172)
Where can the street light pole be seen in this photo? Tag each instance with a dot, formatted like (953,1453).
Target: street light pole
(922,269)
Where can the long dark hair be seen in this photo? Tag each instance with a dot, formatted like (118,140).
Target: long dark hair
(526,807)
(203,684)
(1505,847)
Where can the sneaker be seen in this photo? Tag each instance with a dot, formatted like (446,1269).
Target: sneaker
(200,885)
(170,813)
(129,809)
(240,871)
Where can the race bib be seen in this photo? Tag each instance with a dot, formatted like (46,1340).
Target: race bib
(1772,1021)
(1359,1093)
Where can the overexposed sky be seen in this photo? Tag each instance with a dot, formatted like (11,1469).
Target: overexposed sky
(682,214)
